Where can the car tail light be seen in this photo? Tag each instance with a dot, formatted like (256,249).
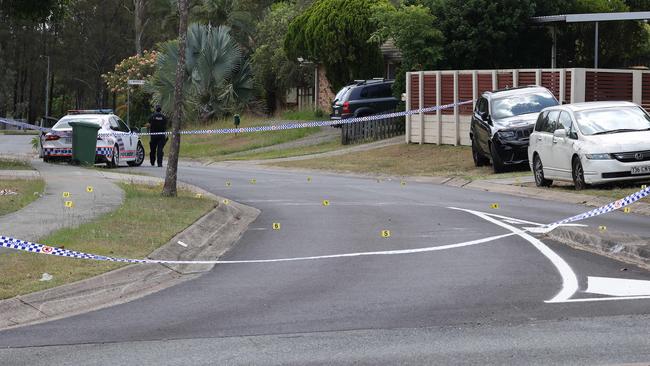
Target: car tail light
(52,137)
(346,107)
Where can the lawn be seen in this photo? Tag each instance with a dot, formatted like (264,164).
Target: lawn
(143,223)
(14,164)
(216,147)
(407,160)
(19,132)
(613,191)
(27,190)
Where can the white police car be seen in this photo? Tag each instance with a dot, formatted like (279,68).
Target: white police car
(116,143)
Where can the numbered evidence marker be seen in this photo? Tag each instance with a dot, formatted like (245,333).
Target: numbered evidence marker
(226,201)
(326,202)
(644,186)
(228,184)
(276,226)
(385,233)
(89,189)
(308,179)
(403,183)
(66,194)
(253,181)
(494,206)
(199,195)
(69,204)
(626,210)
(602,228)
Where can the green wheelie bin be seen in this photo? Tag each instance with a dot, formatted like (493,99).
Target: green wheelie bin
(84,142)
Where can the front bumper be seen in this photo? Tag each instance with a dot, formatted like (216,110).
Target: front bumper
(512,152)
(611,170)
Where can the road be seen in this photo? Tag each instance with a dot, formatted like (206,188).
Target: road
(479,303)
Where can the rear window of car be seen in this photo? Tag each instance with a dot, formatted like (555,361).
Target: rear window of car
(65,123)
(342,94)
(516,105)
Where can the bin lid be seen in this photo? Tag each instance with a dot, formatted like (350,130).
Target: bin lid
(74,124)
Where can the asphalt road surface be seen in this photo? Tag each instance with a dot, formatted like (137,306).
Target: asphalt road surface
(480,302)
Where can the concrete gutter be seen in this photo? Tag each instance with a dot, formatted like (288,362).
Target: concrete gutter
(207,239)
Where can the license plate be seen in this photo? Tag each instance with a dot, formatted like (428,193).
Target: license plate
(641,169)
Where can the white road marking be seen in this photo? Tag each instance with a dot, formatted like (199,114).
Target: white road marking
(360,254)
(181,244)
(602,299)
(617,286)
(569,279)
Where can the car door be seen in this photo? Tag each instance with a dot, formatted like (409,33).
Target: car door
(563,147)
(481,128)
(126,141)
(544,143)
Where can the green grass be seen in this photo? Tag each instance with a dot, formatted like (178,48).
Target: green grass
(613,191)
(305,115)
(27,191)
(144,222)
(19,132)
(406,160)
(14,164)
(214,147)
(289,152)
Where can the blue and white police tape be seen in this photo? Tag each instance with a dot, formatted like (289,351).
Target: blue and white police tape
(278,126)
(21,245)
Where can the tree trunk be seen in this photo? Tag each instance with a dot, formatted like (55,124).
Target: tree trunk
(138,23)
(172,165)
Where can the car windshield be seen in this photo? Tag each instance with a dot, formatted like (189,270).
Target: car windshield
(65,123)
(516,105)
(612,120)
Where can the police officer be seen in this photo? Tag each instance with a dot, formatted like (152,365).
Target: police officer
(157,123)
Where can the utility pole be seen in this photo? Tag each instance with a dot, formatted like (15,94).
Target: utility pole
(47,92)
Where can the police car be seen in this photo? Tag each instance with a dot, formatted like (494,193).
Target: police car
(116,143)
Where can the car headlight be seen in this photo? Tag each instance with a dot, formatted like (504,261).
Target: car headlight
(598,156)
(506,135)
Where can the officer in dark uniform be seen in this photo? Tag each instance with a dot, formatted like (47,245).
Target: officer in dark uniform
(157,123)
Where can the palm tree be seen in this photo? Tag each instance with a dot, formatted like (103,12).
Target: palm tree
(215,78)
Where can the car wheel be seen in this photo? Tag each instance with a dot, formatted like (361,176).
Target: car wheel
(538,171)
(578,174)
(497,164)
(139,156)
(479,159)
(115,159)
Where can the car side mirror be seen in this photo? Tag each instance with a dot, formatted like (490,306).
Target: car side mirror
(559,133)
(485,116)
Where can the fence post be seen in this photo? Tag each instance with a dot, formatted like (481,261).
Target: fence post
(438,102)
(578,81)
(421,91)
(515,78)
(538,77)
(495,82)
(456,111)
(637,86)
(408,107)
(562,85)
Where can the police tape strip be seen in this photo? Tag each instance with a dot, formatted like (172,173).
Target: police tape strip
(266,128)
(22,245)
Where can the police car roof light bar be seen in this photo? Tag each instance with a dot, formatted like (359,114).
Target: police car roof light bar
(90,111)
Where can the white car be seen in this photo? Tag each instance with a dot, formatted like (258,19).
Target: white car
(590,143)
(116,143)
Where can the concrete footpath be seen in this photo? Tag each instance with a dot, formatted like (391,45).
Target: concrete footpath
(48,213)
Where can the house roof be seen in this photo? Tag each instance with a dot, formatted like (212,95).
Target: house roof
(390,51)
(592,17)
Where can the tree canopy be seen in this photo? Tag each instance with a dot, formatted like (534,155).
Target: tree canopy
(335,33)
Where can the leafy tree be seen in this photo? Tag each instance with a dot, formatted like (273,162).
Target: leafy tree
(412,27)
(273,70)
(335,33)
(217,79)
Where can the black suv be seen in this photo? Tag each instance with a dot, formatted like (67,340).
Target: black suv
(502,123)
(363,98)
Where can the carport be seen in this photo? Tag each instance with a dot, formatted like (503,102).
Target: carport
(584,18)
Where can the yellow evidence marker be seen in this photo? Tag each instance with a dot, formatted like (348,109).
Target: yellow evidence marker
(644,186)
(227,184)
(253,181)
(602,228)
(326,202)
(69,204)
(226,201)
(308,179)
(199,195)
(89,189)
(626,210)
(276,226)
(403,183)
(66,194)
(494,206)
(385,233)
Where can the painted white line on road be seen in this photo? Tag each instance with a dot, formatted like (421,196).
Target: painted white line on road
(602,299)
(569,279)
(181,244)
(617,286)
(360,254)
